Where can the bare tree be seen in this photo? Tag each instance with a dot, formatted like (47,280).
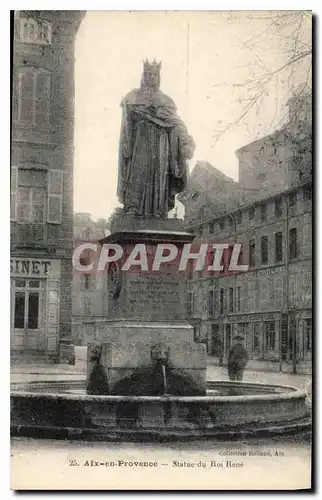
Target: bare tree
(292,29)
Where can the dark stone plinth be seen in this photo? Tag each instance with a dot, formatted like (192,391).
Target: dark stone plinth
(146,307)
(147,294)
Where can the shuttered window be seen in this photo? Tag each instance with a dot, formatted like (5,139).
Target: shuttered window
(34,97)
(55,193)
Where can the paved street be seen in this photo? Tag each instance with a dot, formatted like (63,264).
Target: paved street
(287,379)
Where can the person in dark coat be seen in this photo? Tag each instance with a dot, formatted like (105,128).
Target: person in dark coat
(237,360)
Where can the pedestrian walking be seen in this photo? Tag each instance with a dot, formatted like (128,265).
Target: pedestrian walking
(237,359)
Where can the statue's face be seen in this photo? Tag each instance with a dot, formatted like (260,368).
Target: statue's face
(151,78)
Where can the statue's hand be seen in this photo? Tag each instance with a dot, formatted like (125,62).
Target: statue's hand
(188,152)
(187,146)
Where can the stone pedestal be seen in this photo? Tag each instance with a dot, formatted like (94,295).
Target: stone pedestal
(146,309)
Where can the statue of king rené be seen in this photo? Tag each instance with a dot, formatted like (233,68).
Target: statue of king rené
(154,149)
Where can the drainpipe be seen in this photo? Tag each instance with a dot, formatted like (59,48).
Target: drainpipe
(287,291)
(286,284)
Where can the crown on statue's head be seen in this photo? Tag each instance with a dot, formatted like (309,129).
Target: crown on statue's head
(153,66)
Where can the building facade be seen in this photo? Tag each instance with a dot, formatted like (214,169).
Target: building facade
(268,211)
(89,292)
(42,183)
(270,305)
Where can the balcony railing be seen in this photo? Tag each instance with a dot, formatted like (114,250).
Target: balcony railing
(28,235)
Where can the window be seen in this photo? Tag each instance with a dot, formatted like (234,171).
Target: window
(34,97)
(212,303)
(222,301)
(28,195)
(31,204)
(256,338)
(87,306)
(87,281)
(196,334)
(308,335)
(293,250)
(278,207)
(231,300)
(230,221)
(263,212)
(278,247)
(34,284)
(307,239)
(27,297)
(189,269)
(190,304)
(19,318)
(307,193)
(251,213)
(269,335)
(238,300)
(252,248)
(292,199)
(264,249)
(35,32)
(216,347)
(222,223)
(211,227)
(33,310)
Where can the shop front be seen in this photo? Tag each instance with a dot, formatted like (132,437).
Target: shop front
(35,304)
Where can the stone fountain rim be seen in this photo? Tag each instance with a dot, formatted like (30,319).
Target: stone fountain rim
(291,393)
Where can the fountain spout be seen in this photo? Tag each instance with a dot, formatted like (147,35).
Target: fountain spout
(160,357)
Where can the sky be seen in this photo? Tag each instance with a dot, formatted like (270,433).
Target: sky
(206,59)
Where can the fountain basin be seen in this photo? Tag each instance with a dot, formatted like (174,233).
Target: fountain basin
(62,410)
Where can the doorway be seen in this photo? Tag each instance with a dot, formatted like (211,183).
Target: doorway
(27,305)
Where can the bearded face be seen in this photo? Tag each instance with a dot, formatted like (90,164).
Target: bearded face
(151,78)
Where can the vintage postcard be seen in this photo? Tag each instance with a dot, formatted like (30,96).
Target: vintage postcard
(161,250)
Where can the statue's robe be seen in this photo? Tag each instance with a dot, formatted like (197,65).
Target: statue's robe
(152,168)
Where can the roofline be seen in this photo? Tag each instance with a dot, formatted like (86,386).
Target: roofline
(211,169)
(243,148)
(248,205)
